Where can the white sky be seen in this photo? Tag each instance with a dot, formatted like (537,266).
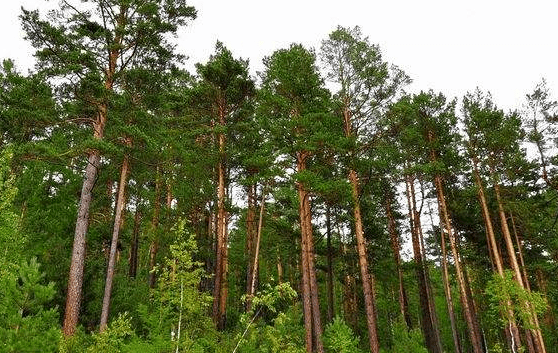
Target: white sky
(450,46)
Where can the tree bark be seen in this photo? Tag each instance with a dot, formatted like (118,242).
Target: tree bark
(312,319)
(250,236)
(329,286)
(429,326)
(154,247)
(133,263)
(120,203)
(396,248)
(253,280)
(474,336)
(513,336)
(220,288)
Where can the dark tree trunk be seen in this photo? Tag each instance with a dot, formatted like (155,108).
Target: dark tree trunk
(330,309)
(428,319)
(396,248)
(154,247)
(133,263)
(312,319)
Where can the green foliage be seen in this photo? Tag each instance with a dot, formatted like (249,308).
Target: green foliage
(405,340)
(176,316)
(113,339)
(339,338)
(27,325)
(506,289)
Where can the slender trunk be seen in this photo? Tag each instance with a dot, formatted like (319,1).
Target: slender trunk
(312,319)
(154,247)
(474,336)
(77,264)
(537,344)
(429,327)
(512,332)
(220,288)
(279,268)
(133,263)
(536,333)
(396,248)
(447,290)
(120,203)
(363,262)
(350,299)
(330,309)
(250,236)
(255,267)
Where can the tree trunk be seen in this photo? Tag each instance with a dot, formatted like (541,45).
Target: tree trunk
(512,332)
(133,263)
(447,290)
(396,248)
(363,262)
(474,336)
(120,203)
(255,267)
(250,236)
(220,288)
(75,280)
(330,309)
(154,247)
(312,319)
(429,326)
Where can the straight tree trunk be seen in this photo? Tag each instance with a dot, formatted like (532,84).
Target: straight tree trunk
(396,248)
(330,309)
(154,247)
(312,319)
(220,288)
(429,326)
(133,263)
(120,203)
(367,287)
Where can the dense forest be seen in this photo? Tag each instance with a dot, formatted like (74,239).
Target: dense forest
(317,207)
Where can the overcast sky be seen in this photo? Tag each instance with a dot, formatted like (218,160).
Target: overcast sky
(450,46)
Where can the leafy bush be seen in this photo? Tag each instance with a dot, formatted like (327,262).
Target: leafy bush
(339,338)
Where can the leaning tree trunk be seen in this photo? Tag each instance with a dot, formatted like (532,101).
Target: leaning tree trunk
(120,203)
(250,238)
(256,264)
(536,345)
(539,341)
(512,331)
(474,335)
(77,264)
